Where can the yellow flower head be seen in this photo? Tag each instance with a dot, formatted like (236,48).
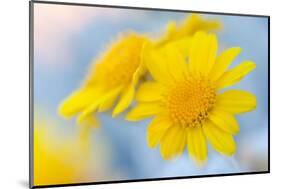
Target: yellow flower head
(113,78)
(188,27)
(185,98)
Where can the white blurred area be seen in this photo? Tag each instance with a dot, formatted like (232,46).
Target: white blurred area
(55,25)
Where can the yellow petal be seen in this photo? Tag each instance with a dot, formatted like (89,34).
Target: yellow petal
(102,101)
(156,64)
(87,112)
(222,141)
(173,142)
(144,110)
(85,131)
(176,63)
(125,100)
(236,74)
(224,121)
(157,129)
(223,61)
(196,144)
(182,45)
(171,28)
(77,101)
(149,91)
(196,22)
(141,70)
(203,52)
(169,62)
(90,121)
(236,101)
(109,99)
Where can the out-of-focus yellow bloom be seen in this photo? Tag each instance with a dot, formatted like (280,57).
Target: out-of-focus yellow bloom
(185,98)
(188,27)
(113,78)
(59,159)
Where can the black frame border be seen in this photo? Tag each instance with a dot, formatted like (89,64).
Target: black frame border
(31,93)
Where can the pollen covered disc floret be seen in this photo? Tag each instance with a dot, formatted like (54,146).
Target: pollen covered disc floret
(190,101)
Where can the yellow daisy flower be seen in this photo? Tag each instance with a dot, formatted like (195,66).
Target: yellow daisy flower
(186,101)
(112,78)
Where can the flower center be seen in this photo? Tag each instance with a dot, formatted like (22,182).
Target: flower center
(120,62)
(190,101)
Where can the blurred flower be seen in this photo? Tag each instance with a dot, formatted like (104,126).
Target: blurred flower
(115,76)
(185,101)
(188,27)
(61,159)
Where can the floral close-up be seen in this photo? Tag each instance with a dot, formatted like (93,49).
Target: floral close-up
(113,78)
(186,100)
(121,94)
(115,74)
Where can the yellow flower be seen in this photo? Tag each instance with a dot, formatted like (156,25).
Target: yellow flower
(113,78)
(186,101)
(188,27)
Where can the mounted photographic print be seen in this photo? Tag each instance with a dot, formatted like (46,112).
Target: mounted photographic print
(122,94)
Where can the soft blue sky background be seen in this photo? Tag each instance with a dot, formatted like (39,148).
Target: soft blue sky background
(67,38)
